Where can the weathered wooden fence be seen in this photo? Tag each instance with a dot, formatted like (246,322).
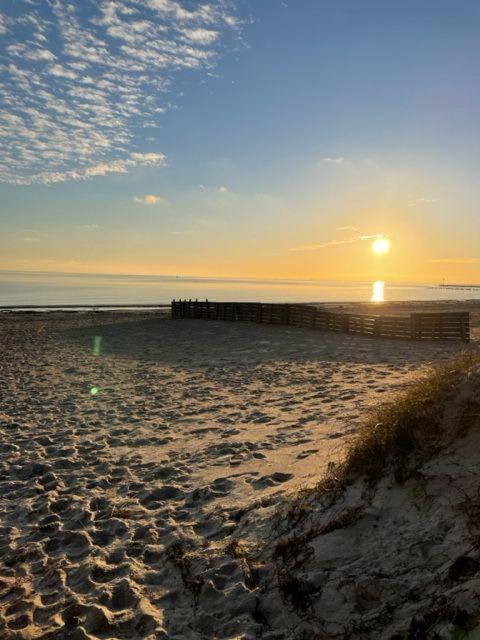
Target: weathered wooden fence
(416,326)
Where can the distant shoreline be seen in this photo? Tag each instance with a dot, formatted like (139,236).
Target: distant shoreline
(459,286)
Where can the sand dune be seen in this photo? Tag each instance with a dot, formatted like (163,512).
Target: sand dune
(121,511)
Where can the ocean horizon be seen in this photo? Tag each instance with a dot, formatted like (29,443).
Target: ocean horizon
(48,288)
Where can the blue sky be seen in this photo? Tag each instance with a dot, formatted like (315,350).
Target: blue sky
(137,134)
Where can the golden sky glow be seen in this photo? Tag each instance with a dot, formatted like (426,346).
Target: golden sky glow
(243,161)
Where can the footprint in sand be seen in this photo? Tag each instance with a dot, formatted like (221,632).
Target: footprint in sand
(306,453)
(167,492)
(271,480)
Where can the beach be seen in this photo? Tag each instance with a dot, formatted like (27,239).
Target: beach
(239,320)
(127,437)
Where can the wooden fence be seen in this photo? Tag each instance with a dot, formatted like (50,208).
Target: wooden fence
(416,326)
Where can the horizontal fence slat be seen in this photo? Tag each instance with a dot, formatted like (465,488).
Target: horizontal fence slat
(416,326)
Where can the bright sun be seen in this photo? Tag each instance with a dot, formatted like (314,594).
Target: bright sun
(381,246)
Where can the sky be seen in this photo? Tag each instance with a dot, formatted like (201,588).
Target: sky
(242,138)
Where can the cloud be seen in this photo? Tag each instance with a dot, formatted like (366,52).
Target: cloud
(104,168)
(149,200)
(456,261)
(61,72)
(83,82)
(220,189)
(89,227)
(201,36)
(336,160)
(421,201)
(347,228)
(32,235)
(34,53)
(334,243)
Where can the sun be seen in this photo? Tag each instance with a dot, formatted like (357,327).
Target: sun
(381,246)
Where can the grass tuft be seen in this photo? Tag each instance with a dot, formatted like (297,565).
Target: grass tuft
(401,434)
(409,426)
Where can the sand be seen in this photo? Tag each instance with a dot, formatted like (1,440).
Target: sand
(122,513)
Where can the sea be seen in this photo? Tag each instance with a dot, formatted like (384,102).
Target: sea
(42,288)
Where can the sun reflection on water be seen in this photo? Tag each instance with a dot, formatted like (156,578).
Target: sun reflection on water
(378,291)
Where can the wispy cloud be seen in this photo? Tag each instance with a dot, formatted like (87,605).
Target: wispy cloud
(334,243)
(420,201)
(347,228)
(82,83)
(220,189)
(456,260)
(32,235)
(149,200)
(335,160)
(104,168)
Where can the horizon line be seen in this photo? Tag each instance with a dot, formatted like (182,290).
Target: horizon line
(238,279)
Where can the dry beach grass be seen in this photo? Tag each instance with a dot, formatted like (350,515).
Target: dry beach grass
(142,511)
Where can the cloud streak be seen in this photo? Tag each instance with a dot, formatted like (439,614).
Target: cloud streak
(336,160)
(334,243)
(82,83)
(347,228)
(456,261)
(220,189)
(421,201)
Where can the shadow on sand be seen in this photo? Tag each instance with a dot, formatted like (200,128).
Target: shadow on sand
(199,343)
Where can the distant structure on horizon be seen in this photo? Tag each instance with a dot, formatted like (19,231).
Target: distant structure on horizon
(442,285)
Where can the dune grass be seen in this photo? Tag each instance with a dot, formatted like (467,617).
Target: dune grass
(413,425)
(400,434)
(396,438)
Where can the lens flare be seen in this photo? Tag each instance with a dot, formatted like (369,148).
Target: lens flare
(94,391)
(97,345)
(381,246)
(378,291)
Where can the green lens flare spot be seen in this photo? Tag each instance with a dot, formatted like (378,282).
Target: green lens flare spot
(94,391)
(97,345)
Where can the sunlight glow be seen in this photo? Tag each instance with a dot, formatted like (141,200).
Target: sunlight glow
(378,291)
(381,246)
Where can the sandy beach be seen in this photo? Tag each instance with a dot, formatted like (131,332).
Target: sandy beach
(192,429)
(239,320)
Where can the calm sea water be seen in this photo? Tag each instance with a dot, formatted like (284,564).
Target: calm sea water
(62,288)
